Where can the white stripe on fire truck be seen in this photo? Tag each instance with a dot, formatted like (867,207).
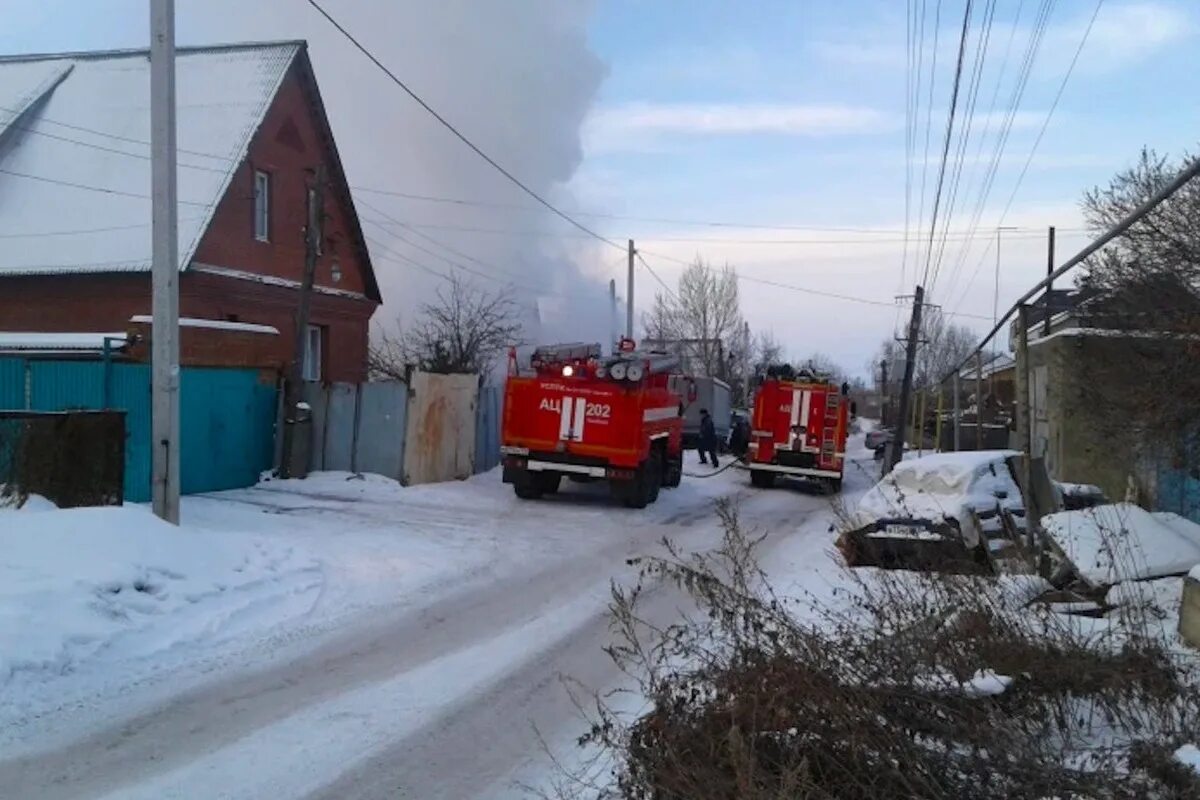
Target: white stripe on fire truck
(564,419)
(805,409)
(580,411)
(795,409)
(655,414)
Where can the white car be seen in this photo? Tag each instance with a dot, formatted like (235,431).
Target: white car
(942,489)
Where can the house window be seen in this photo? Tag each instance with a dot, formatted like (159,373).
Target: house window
(262,206)
(312,353)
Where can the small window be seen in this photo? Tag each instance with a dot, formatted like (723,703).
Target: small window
(312,353)
(262,206)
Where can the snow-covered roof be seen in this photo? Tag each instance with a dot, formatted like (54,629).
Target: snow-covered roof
(75,153)
(215,324)
(59,342)
(1121,541)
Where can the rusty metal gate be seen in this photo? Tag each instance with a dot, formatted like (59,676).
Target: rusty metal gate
(440,440)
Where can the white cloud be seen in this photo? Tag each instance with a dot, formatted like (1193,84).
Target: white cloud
(638,126)
(1123,33)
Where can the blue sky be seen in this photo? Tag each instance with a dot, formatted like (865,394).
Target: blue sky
(767,113)
(794,113)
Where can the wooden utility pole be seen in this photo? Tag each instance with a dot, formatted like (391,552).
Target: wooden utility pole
(288,468)
(1024,420)
(164,333)
(1050,285)
(612,315)
(979,399)
(937,423)
(910,361)
(629,295)
(957,421)
(885,395)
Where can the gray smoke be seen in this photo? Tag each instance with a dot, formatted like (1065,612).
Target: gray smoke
(515,78)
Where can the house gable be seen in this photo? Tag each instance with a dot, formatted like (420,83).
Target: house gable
(293,138)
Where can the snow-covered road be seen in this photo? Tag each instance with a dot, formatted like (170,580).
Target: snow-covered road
(429,663)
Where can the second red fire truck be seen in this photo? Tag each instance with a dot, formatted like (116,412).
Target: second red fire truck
(798,428)
(587,417)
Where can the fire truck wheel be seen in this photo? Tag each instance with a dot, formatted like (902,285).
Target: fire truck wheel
(762,479)
(636,493)
(674,474)
(654,476)
(526,486)
(548,482)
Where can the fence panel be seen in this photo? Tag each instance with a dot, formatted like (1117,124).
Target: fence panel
(12,384)
(487,428)
(317,397)
(227,428)
(383,414)
(338,431)
(440,440)
(66,385)
(129,391)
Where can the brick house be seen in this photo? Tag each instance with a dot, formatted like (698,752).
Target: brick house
(75,236)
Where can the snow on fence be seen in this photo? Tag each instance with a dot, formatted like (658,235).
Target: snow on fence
(441,427)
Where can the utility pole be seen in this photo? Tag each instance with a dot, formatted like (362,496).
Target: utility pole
(979,399)
(288,468)
(164,333)
(612,315)
(957,420)
(885,395)
(629,295)
(1024,420)
(910,360)
(996,299)
(1050,285)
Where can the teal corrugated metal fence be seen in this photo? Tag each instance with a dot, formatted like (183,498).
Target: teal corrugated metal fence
(227,416)
(12,383)
(227,423)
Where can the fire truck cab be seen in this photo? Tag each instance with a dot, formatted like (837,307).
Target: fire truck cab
(580,415)
(799,428)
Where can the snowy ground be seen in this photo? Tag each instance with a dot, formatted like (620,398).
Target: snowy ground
(337,637)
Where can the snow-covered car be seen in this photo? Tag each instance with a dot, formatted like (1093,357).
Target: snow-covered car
(877,438)
(944,489)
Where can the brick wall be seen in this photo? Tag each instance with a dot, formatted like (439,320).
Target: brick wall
(105,303)
(288,145)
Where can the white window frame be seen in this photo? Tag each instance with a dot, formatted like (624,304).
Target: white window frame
(262,205)
(312,353)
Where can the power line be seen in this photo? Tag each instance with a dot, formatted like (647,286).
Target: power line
(445,123)
(1037,142)
(90,188)
(937,195)
(928,114)
(661,282)
(793,287)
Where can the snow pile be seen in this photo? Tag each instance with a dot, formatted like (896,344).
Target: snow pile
(1189,756)
(984,683)
(945,486)
(1121,542)
(85,584)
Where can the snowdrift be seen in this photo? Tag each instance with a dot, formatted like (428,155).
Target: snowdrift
(87,585)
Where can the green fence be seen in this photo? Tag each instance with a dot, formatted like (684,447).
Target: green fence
(227,416)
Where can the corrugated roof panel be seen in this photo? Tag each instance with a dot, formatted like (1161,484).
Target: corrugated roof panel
(75,187)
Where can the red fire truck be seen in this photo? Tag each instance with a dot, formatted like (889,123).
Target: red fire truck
(799,428)
(588,417)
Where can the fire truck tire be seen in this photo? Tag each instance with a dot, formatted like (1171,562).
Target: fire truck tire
(674,473)
(762,479)
(654,476)
(525,486)
(636,493)
(548,482)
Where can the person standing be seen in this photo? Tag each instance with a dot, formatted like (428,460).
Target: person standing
(708,438)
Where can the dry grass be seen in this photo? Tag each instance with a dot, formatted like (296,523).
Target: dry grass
(874,697)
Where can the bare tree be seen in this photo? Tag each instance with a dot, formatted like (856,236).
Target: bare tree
(944,346)
(463,331)
(767,349)
(703,316)
(1147,280)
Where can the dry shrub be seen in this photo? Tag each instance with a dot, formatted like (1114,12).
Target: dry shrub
(906,686)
